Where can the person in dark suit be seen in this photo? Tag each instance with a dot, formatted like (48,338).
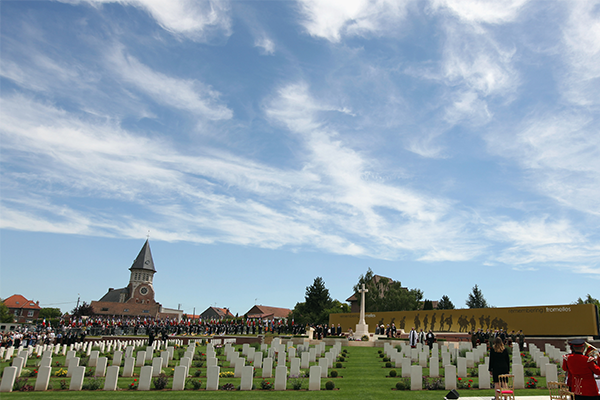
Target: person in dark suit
(499,363)
(339,330)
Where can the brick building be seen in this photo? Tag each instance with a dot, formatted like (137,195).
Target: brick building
(24,311)
(137,298)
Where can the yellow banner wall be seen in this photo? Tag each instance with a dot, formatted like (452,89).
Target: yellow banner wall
(564,320)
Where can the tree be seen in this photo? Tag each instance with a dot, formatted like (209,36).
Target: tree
(476,299)
(83,309)
(317,297)
(445,303)
(317,305)
(427,305)
(5,315)
(386,295)
(49,313)
(590,300)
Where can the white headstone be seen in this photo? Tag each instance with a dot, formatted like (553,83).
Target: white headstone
(128,368)
(519,380)
(101,366)
(43,377)
(156,366)
(484,377)
(406,367)
(450,377)
(434,367)
(141,359)
(77,378)
(179,378)
(247,375)
(267,371)
(112,377)
(212,378)
(258,357)
(295,366)
(314,381)
(416,377)
(145,378)
(280,377)
(323,363)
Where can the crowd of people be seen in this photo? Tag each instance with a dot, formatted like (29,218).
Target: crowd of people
(488,336)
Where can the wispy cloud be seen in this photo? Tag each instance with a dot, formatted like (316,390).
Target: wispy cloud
(331,19)
(560,151)
(190,95)
(581,40)
(483,11)
(266,44)
(201,21)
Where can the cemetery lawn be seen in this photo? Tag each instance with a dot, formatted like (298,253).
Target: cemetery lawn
(363,376)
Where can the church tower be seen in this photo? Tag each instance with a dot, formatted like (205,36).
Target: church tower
(141,289)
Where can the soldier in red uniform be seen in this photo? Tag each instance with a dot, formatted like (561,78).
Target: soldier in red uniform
(580,372)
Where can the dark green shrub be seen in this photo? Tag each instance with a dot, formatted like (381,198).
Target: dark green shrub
(333,373)
(338,365)
(404,384)
(393,373)
(386,359)
(160,382)
(381,355)
(388,365)
(329,385)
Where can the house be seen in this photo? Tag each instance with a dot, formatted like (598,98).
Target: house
(216,313)
(137,298)
(24,311)
(266,312)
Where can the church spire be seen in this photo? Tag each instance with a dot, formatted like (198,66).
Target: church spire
(144,259)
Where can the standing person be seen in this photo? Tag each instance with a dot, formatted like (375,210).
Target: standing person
(521,339)
(412,338)
(430,339)
(499,363)
(580,372)
(422,337)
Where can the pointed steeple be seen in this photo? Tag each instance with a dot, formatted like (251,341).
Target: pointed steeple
(144,259)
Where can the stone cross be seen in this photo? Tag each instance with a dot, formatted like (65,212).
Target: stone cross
(362,304)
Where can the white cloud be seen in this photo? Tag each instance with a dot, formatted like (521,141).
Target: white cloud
(266,44)
(196,20)
(581,40)
(483,11)
(560,151)
(330,19)
(190,95)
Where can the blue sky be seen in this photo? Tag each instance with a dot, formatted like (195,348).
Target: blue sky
(440,143)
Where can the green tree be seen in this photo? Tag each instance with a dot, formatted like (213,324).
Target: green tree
(476,299)
(445,303)
(427,305)
(386,295)
(590,300)
(83,309)
(317,305)
(5,315)
(49,313)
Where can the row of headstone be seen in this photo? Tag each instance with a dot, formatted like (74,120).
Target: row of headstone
(282,352)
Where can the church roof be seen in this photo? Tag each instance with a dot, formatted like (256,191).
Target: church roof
(144,259)
(114,295)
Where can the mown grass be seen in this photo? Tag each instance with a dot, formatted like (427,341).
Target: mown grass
(363,376)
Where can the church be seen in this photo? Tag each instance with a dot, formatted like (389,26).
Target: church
(137,298)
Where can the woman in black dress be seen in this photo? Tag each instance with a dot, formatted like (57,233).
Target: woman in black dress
(499,363)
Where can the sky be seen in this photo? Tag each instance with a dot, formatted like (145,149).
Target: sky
(261,144)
